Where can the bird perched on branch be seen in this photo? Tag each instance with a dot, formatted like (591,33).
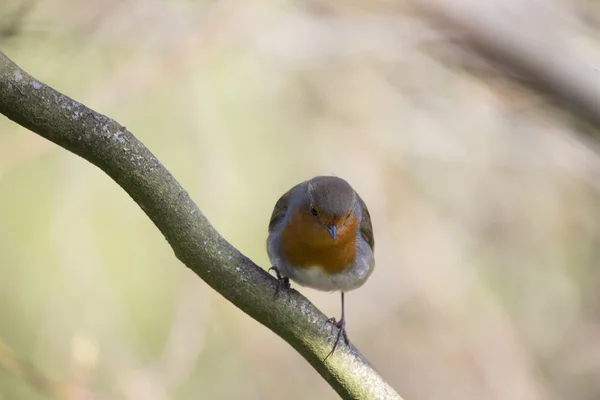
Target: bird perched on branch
(320,236)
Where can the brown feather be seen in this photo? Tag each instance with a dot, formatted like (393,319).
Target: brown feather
(280,208)
(366,229)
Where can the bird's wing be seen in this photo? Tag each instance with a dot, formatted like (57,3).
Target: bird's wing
(366,229)
(281,208)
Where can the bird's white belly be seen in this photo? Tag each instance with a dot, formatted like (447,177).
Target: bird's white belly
(315,277)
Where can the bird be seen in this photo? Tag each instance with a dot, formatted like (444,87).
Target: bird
(320,236)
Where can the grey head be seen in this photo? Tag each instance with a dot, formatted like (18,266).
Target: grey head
(331,198)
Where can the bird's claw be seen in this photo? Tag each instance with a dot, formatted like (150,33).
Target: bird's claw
(283,283)
(341,325)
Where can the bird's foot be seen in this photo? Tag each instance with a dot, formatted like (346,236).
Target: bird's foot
(283,284)
(341,325)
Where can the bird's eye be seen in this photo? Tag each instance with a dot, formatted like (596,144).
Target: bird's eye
(346,219)
(313,211)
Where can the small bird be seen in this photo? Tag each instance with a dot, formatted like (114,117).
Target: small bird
(320,236)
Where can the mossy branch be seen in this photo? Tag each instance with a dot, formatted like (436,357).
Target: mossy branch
(112,148)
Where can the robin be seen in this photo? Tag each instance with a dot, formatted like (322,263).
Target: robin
(320,236)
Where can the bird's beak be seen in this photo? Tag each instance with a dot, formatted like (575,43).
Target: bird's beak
(332,230)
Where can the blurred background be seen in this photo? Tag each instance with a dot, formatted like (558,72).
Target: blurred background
(467,126)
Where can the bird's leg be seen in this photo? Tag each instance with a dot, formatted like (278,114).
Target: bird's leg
(342,330)
(283,283)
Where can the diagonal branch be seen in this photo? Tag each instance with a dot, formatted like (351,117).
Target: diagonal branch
(111,147)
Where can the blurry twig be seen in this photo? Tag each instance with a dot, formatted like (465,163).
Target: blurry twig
(28,372)
(115,150)
(531,53)
(12,25)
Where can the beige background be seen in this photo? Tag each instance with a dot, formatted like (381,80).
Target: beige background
(484,201)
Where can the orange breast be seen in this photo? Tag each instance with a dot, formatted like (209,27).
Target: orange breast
(306,243)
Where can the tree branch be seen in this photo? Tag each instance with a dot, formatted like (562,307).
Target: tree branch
(111,147)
